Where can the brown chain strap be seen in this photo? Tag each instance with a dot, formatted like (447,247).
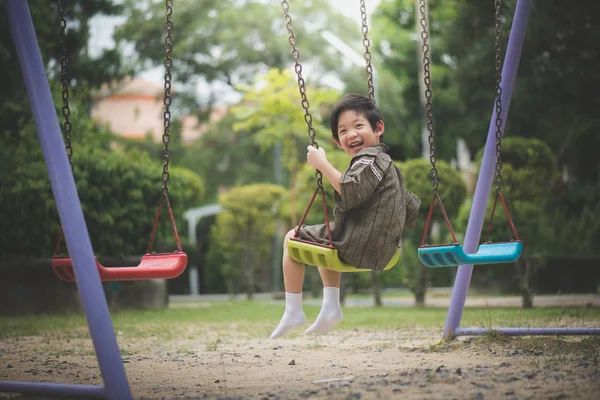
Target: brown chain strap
(301,84)
(498,47)
(428,94)
(166,137)
(366,44)
(64,77)
(66,109)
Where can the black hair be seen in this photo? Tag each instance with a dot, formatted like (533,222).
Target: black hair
(360,104)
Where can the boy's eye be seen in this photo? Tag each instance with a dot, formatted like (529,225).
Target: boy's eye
(342,133)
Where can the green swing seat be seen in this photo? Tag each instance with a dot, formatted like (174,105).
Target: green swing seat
(326,256)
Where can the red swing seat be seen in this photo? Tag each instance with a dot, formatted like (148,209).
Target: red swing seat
(151,266)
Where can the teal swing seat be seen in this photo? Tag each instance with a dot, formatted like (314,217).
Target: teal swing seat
(453,254)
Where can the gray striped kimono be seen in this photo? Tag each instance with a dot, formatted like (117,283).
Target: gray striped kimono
(370,213)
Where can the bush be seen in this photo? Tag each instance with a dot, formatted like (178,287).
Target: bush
(243,235)
(119,193)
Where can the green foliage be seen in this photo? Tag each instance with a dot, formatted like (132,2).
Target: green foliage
(270,109)
(88,71)
(119,192)
(529,173)
(217,156)
(243,233)
(452,191)
(554,95)
(417,177)
(398,55)
(229,41)
(530,169)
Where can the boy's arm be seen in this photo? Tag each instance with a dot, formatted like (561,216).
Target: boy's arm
(413,204)
(318,160)
(333,176)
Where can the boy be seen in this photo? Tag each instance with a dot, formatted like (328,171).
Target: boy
(372,208)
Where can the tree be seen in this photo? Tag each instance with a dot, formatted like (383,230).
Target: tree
(225,158)
(529,174)
(555,93)
(244,232)
(86,72)
(270,110)
(119,192)
(397,49)
(227,43)
(452,191)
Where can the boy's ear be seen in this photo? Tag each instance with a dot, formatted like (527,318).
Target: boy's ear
(379,128)
(338,143)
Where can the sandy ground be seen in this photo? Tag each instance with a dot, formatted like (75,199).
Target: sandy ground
(229,362)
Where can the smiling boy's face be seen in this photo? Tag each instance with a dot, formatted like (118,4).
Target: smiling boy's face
(355,132)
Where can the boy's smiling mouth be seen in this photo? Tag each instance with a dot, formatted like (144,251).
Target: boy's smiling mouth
(355,145)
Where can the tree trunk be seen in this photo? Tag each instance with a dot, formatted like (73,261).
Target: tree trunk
(419,298)
(376,283)
(248,269)
(524,272)
(421,288)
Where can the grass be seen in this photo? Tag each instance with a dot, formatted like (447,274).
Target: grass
(255,318)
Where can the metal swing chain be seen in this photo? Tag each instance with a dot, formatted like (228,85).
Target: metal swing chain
(166,137)
(66,110)
(428,93)
(366,44)
(498,45)
(301,84)
(64,77)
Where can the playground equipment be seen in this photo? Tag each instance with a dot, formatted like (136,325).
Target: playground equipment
(85,269)
(152,265)
(304,251)
(490,160)
(446,255)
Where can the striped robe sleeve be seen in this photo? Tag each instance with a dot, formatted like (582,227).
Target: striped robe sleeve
(412,204)
(359,182)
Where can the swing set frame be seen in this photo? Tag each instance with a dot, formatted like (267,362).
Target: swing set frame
(462,281)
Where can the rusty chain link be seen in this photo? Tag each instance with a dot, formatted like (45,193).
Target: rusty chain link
(498,47)
(428,93)
(301,84)
(64,77)
(166,137)
(366,44)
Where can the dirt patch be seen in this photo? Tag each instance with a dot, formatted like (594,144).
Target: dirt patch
(228,362)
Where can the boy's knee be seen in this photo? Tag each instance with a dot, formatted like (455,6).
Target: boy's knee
(289,235)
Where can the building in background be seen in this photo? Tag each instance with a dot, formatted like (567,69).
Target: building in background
(134,109)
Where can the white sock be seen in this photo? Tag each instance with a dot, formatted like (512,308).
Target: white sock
(331,312)
(293,316)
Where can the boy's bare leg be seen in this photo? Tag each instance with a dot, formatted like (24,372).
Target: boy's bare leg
(293,279)
(331,311)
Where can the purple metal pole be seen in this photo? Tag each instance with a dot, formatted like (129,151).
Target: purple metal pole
(484,181)
(67,200)
(93,391)
(527,331)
